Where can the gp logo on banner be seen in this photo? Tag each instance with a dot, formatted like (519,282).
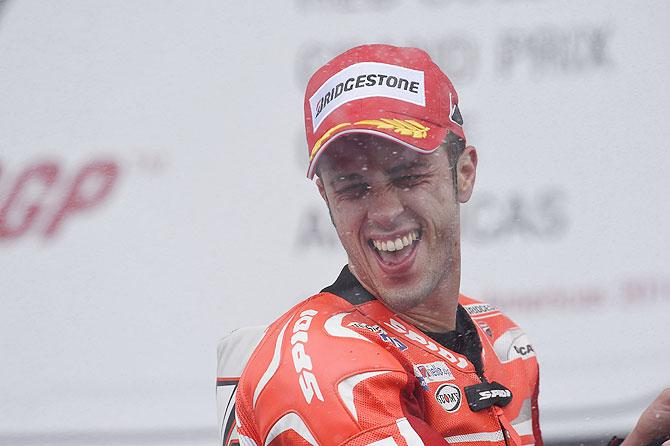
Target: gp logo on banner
(43,196)
(364,80)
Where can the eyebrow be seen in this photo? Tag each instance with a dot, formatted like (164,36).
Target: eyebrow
(407,166)
(419,163)
(345,178)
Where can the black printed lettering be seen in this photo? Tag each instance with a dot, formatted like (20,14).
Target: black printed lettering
(363,81)
(359,80)
(338,90)
(319,107)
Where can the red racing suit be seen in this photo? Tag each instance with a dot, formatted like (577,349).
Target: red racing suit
(340,368)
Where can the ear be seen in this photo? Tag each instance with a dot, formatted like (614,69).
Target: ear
(466,171)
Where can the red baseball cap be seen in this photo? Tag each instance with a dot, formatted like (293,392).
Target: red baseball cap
(396,93)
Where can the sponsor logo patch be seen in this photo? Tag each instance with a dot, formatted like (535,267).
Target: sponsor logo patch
(524,350)
(397,343)
(513,344)
(487,329)
(481,396)
(363,325)
(432,372)
(477,309)
(364,80)
(459,361)
(495,393)
(449,397)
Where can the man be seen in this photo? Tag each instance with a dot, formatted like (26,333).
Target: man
(391,353)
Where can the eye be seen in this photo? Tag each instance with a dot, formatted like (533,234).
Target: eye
(407,181)
(357,190)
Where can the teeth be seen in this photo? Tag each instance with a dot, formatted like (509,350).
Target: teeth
(397,244)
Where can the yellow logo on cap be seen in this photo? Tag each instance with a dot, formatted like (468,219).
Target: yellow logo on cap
(317,144)
(406,127)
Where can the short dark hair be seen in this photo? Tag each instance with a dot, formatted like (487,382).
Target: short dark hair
(454,145)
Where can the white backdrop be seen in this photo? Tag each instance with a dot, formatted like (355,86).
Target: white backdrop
(153,197)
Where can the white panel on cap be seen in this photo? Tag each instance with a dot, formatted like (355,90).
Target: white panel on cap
(348,90)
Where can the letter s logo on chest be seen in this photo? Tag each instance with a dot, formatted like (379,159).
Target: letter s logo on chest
(301,360)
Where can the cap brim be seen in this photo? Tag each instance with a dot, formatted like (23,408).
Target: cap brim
(412,133)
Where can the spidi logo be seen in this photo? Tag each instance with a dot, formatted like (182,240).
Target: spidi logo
(301,360)
(494,393)
(458,361)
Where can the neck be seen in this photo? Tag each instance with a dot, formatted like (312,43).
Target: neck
(434,311)
(436,314)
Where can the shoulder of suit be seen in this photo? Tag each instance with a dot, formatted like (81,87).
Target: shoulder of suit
(314,332)
(478,309)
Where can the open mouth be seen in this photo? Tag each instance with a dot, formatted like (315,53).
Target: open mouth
(397,251)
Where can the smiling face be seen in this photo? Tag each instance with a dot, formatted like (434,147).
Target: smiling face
(397,215)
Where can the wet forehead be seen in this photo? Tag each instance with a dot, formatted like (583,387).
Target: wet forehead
(365,154)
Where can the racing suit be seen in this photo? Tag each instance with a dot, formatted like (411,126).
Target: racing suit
(340,368)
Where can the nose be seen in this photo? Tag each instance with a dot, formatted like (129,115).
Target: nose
(384,207)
